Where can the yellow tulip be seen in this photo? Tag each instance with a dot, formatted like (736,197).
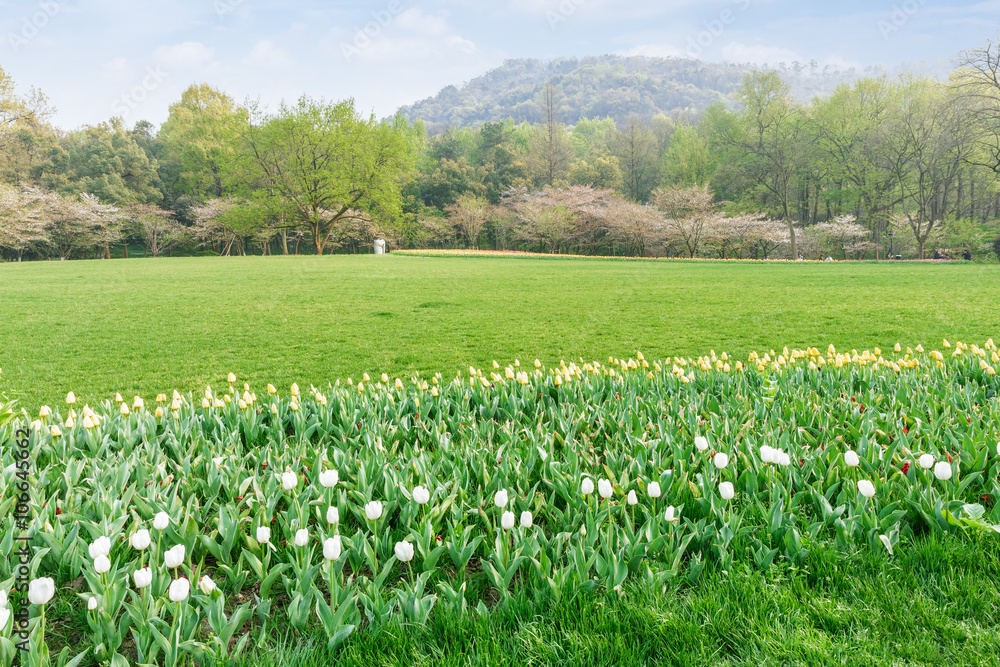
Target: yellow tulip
(231,377)
(70,398)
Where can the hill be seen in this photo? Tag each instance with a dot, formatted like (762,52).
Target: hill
(600,86)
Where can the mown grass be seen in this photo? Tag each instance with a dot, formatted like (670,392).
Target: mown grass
(146,326)
(936,602)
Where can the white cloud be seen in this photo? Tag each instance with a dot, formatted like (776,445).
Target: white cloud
(116,65)
(186,55)
(736,52)
(266,53)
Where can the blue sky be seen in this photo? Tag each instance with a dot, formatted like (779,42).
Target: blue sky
(101,58)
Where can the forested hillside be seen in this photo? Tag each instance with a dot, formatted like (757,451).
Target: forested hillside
(615,87)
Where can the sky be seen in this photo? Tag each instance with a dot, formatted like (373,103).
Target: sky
(95,59)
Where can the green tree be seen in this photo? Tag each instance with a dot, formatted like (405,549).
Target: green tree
(317,164)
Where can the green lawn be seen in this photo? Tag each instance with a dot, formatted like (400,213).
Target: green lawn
(146,326)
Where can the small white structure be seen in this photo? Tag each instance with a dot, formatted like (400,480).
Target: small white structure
(380,246)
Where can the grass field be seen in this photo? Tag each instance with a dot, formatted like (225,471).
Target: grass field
(147,326)
(150,326)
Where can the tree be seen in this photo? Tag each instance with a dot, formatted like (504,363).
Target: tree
(469,215)
(979,81)
(550,149)
(637,152)
(156,228)
(769,134)
(687,160)
(319,163)
(198,140)
(22,226)
(688,210)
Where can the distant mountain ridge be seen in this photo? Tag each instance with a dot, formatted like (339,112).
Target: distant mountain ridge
(599,86)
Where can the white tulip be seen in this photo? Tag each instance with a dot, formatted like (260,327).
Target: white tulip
(866,488)
(727,491)
(329,478)
(421,495)
(174,557)
(851,458)
(500,498)
(942,470)
(140,539)
(632,498)
(142,577)
(101,564)
(671,514)
(701,442)
(526,519)
(507,520)
(41,590)
(4,617)
(263,534)
(654,490)
(587,487)
(289,480)
(783,459)
(604,488)
(767,454)
(91,605)
(373,510)
(207,585)
(100,547)
(332,515)
(161,520)
(301,537)
(926,461)
(720,460)
(404,551)
(179,589)
(3,602)
(332,548)
(998,449)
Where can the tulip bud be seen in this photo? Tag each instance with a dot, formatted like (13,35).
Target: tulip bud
(100,547)
(206,585)
(332,548)
(373,510)
(851,458)
(421,495)
(42,589)
(179,589)
(301,537)
(92,604)
(124,409)
(701,442)
(654,490)
(263,534)
(942,470)
(161,520)
(926,461)
(604,488)
(866,488)
(404,551)
(329,478)
(45,411)
(55,431)
(500,498)
(142,577)
(70,398)
(632,498)
(138,403)
(720,460)
(727,491)
(526,519)
(671,514)
(102,564)
(332,515)
(289,480)
(140,539)
(174,557)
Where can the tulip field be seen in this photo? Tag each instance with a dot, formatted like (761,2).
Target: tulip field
(830,504)
(183,526)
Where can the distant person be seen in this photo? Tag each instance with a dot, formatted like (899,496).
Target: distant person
(966,255)
(937,254)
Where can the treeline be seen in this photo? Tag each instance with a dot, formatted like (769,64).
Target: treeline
(880,166)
